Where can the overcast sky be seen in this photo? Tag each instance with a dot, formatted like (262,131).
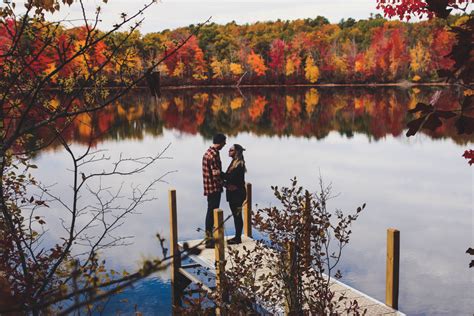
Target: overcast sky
(175,13)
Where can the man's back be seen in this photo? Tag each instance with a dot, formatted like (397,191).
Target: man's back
(211,169)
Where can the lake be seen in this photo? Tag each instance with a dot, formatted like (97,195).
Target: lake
(353,138)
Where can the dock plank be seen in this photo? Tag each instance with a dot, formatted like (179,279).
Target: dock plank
(206,259)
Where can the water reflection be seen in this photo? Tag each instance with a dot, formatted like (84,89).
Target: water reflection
(307,112)
(353,137)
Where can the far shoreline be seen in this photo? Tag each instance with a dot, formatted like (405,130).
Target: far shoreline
(322,85)
(404,85)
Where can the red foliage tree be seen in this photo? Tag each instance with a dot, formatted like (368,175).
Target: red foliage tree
(441,46)
(277,55)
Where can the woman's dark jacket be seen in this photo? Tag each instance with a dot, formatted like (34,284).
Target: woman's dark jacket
(236,177)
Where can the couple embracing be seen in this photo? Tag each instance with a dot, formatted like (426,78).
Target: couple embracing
(215,180)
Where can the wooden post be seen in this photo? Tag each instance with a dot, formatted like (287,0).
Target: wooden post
(174,251)
(393,267)
(219,255)
(248,211)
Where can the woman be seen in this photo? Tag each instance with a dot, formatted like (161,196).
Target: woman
(235,189)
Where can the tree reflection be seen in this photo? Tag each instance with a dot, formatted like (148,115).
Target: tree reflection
(292,111)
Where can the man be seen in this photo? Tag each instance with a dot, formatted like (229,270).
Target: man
(211,173)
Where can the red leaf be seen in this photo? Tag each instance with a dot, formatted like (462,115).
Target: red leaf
(469,154)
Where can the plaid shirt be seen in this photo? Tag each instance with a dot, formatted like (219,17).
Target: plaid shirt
(211,161)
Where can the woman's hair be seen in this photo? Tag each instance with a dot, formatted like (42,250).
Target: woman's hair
(238,158)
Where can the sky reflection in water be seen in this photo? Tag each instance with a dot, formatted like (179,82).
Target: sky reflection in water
(354,139)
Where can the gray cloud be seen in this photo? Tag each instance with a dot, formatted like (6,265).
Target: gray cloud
(175,13)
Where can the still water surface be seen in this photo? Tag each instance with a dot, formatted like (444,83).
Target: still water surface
(353,138)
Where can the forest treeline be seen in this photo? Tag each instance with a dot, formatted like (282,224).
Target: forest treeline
(303,51)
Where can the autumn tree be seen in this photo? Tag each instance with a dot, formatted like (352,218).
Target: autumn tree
(292,65)
(419,61)
(218,68)
(256,63)
(51,77)
(311,70)
(236,69)
(277,56)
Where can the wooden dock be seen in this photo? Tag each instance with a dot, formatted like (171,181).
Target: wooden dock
(207,267)
(206,260)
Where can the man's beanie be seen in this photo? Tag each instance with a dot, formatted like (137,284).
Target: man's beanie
(218,139)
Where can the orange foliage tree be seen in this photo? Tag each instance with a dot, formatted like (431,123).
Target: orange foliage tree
(256,63)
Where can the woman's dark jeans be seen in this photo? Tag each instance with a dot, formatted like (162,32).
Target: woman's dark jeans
(237,214)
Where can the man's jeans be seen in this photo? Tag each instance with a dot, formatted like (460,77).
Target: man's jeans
(213,202)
